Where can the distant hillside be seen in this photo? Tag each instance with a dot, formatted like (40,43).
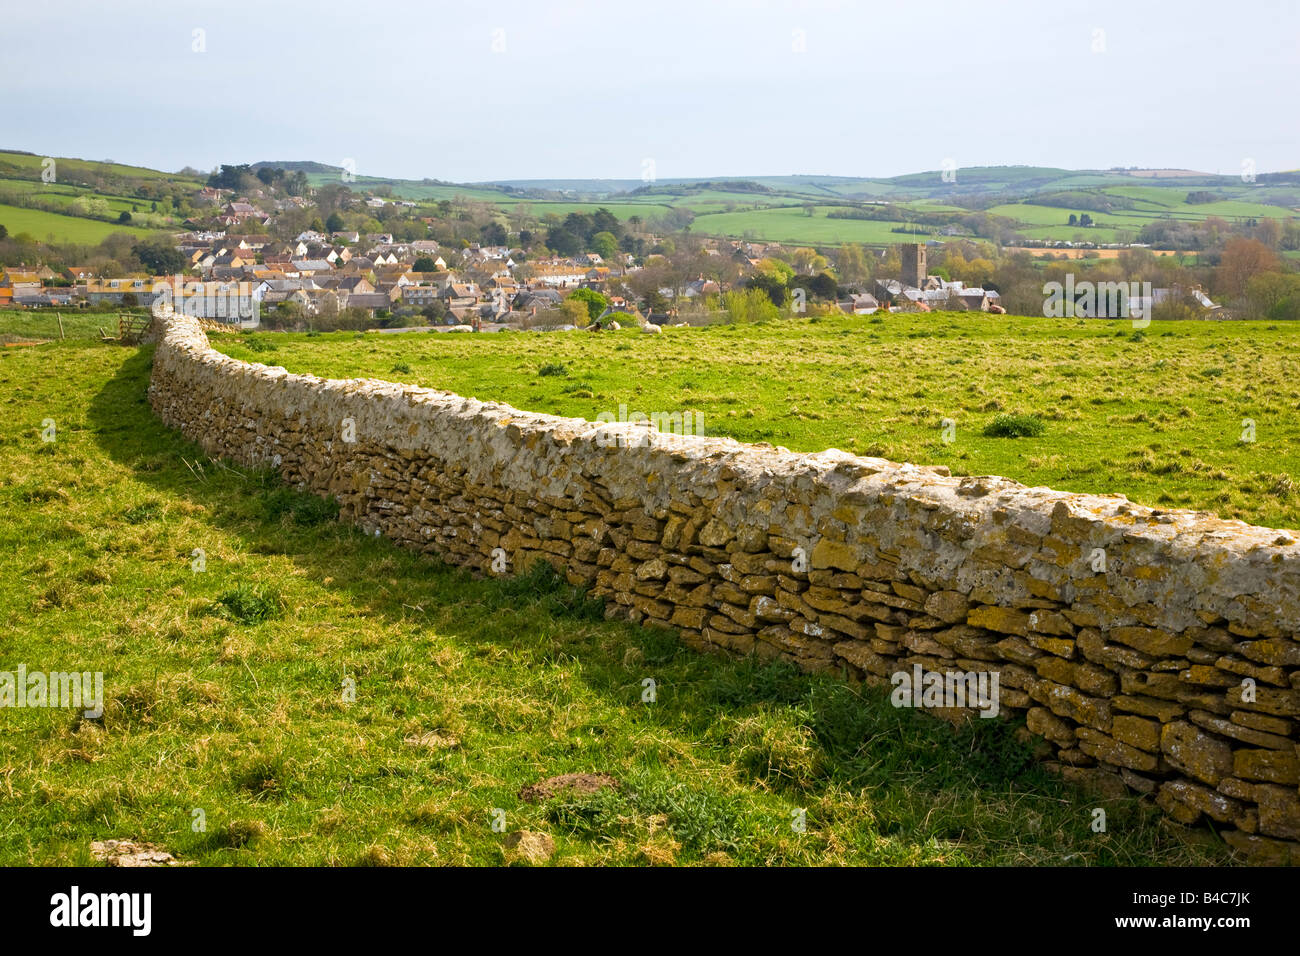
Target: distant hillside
(294,166)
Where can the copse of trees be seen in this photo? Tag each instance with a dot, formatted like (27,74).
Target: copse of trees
(159,256)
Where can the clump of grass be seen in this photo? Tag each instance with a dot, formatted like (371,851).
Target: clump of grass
(305,510)
(701,819)
(264,776)
(778,747)
(1279,486)
(255,344)
(553,368)
(401,368)
(1009,425)
(141,513)
(545,585)
(248,605)
(239,833)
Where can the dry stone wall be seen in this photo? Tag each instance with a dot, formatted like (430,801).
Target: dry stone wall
(1156,646)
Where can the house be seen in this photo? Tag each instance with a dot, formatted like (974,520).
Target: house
(114,291)
(701,287)
(45,299)
(236,303)
(19,282)
(537,299)
(863,303)
(420,296)
(239,211)
(461,295)
(558,275)
(372,302)
(346,236)
(78,273)
(312,265)
(355,285)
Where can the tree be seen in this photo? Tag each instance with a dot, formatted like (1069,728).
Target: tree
(851,264)
(124,218)
(1271,294)
(595,302)
(803,260)
(822,286)
(1243,259)
(575,311)
(771,285)
(424,264)
(749,305)
(605,245)
(159,256)
(4,233)
(563,242)
(335,222)
(230,177)
(317,225)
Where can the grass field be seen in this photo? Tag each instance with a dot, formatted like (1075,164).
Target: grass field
(1156,415)
(619,210)
(78,167)
(41,225)
(793,224)
(225,703)
(26,325)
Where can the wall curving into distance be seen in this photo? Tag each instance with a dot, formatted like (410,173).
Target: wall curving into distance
(1158,646)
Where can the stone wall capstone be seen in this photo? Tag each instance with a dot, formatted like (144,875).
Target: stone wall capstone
(1157,646)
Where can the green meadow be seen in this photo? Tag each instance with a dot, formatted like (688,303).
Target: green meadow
(793,224)
(41,225)
(1155,414)
(281,689)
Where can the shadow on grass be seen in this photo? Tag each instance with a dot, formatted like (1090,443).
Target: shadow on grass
(812,740)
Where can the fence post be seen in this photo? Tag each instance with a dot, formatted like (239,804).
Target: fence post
(59,316)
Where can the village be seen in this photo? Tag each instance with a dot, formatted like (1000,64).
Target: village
(235,271)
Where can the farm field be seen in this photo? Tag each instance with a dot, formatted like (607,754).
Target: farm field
(41,224)
(620,210)
(1156,415)
(792,224)
(223,689)
(74,168)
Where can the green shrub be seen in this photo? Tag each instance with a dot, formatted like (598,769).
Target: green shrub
(1014,426)
(305,510)
(254,344)
(248,605)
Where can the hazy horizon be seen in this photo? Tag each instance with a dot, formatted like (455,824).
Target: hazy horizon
(582,90)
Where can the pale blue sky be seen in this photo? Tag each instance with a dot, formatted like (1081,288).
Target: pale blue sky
(704,88)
